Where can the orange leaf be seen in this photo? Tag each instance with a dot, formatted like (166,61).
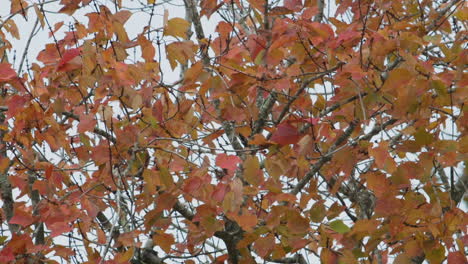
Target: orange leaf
(180,52)
(124,257)
(264,245)
(383,160)
(297,224)
(247,220)
(19,6)
(147,49)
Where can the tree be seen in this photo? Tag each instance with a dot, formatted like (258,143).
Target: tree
(292,131)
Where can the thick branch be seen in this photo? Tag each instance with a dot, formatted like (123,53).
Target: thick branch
(297,259)
(5,185)
(265,110)
(191,9)
(461,186)
(320,7)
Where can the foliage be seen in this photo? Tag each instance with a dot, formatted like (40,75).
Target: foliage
(294,130)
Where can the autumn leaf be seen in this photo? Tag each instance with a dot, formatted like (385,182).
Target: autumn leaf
(317,212)
(58,228)
(264,245)
(22,218)
(228,162)
(163,240)
(214,136)
(19,6)
(328,256)
(456,258)
(176,27)
(297,224)
(252,173)
(382,158)
(7,255)
(70,60)
(246,220)
(6,72)
(147,49)
(339,226)
(87,123)
(192,185)
(286,134)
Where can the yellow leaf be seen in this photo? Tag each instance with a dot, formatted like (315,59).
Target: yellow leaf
(180,52)
(177,27)
(166,177)
(39,14)
(251,171)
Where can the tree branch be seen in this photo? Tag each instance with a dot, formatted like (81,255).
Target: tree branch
(461,187)
(320,6)
(436,22)
(324,159)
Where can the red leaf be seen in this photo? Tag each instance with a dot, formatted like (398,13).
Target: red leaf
(192,185)
(286,134)
(15,104)
(22,218)
(6,72)
(59,228)
(6,255)
(294,5)
(311,120)
(221,259)
(328,256)
(87,123)
(219,192)
(208,7)
(456,258)
(67,57)
(63,252)
(90,207)
(227,162)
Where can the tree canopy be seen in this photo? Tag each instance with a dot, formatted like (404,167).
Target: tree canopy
(246,131)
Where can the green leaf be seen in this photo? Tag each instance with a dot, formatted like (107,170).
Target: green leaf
(339,226)
(317,212)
